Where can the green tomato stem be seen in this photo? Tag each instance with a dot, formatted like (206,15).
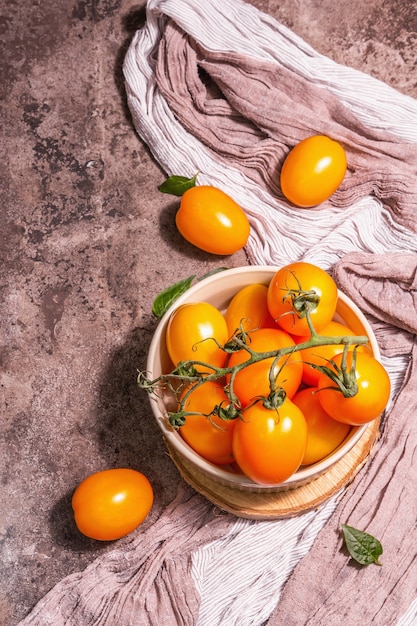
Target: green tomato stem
(189,374)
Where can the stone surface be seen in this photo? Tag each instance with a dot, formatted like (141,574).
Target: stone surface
(86,243)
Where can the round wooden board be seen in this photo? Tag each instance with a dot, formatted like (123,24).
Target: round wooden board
(281,504)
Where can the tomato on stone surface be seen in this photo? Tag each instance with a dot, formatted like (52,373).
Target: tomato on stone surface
(212,221)
(209,435)
(249,309)
(253,380)
(324,433)
(372,395)
(313,170)
(192,332)
(111,503)
(283,298)
(269,444)
(320,355)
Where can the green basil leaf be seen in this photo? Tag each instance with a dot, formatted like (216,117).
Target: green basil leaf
(362,547)
(167,296)
(177,185)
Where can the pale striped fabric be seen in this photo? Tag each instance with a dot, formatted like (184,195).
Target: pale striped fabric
(240,577)
(410,617)
(278,233)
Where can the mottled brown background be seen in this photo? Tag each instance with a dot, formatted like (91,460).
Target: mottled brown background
(87,241)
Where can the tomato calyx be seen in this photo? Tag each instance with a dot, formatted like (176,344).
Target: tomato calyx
(229,413)
(187,369)
(240,339)
(343,376)
(176,419)
(303,301)
(275,399)
(302,298)
(225,412)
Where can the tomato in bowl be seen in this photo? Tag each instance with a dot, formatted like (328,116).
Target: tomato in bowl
(218,290)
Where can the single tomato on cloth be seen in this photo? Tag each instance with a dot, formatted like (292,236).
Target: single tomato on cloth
(313,170)
(324,433)
(111,503)
(208,434)
(195,332)
(254,380)
(212,221)
(297,287)
(269,444)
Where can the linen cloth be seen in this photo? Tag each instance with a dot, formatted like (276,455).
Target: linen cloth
(383,500)
(223,89)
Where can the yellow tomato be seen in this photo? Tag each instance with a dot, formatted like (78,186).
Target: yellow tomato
(209,435)
(249,309)
(194,332)
(372,395)
(313,170)
(254,380)
(110,504)
(212,221)
(298,283)
(324,433)
(269,444)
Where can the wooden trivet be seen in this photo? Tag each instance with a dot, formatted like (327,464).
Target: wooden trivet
(277,505)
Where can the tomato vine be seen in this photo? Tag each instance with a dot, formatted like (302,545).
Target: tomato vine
(187,373)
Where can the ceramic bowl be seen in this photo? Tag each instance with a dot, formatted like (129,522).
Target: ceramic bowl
(218,289)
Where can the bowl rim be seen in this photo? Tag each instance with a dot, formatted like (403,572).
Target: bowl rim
(239,480)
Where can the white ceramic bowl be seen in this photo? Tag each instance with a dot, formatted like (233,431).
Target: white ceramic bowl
(219,289)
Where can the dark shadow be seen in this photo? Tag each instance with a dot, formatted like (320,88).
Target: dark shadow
(66,533)
(127,432)
(128,436)
(132,21)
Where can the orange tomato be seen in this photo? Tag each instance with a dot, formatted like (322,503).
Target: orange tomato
(212,221)
(283,300)
(249,309)
(269,445)
(321,355)
(372,395)
(324,433)
(313,170)
(253,380)
(194,331)
(209,435)
(110,504)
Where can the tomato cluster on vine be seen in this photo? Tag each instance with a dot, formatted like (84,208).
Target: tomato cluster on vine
(275,381)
